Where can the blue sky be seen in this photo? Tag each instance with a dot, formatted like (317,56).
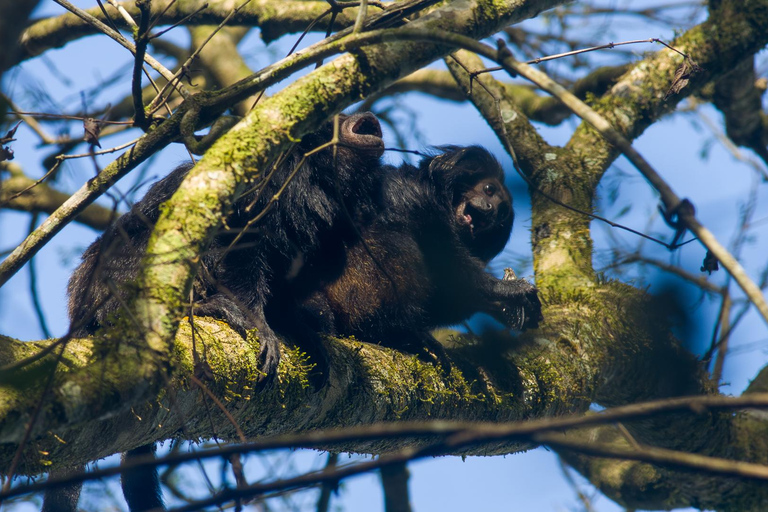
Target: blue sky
(718,186)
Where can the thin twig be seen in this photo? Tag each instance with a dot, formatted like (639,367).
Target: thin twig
(221,407)
(165,10)
(118,37)
(180,22)
(102,152)
(33,285)
(361,15)
(34,184)
(690,461)
(45,115)
(120,9)
(155,103)
(723,320)
(583,498)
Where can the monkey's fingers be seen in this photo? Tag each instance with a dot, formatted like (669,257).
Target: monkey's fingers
(432,351)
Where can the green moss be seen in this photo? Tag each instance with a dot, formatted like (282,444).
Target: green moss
(294,370)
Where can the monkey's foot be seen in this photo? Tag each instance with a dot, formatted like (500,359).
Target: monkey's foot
(432,351)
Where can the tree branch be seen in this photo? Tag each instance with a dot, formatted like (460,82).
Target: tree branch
(275,19)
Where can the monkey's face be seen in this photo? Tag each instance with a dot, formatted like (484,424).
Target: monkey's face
(483,213)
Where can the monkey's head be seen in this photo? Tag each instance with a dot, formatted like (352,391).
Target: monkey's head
(481,203)
(484,215)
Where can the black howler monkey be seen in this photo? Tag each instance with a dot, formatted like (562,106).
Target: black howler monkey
(244,275)
(423,267)
(430,231)
(248,263)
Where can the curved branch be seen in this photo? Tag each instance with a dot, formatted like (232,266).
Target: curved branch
(275,19)
(169,265)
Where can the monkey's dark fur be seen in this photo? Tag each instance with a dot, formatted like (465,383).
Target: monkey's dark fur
(430,231)
(239,285)
(438,226)
(245,285)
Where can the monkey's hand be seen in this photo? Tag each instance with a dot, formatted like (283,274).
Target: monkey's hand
(516,304)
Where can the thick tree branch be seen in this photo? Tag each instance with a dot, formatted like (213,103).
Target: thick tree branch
(741,102)
(15,16)
(565,237)
(169,265)
(105,385)
(275,19)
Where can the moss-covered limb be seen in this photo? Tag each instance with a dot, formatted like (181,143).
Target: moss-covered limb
(96,394)
(221,58)
(275,18)
(192,216)
(646,486)
(599,346)
(629,356)
(588,351)
(43,198)
(650,364)
(732,33)
(92,412)
(562,246)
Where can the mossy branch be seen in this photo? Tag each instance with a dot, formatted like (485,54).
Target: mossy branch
(192,216)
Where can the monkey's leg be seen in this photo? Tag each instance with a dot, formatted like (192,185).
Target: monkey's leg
(435,352)
(291,323)
(141,487)
(426,347)
(63,499)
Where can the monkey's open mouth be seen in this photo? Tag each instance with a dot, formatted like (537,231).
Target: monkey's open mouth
(467,215)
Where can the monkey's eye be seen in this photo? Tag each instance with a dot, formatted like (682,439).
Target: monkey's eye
(489,189)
